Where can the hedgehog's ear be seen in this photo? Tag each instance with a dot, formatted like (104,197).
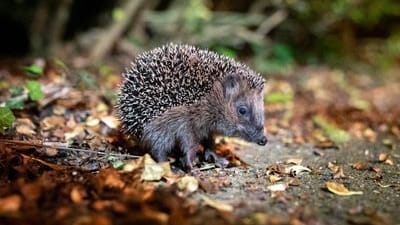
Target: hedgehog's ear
(231,86)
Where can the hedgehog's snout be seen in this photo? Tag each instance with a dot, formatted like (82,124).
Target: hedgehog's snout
(262,141)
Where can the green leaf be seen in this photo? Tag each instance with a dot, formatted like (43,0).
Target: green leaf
(6,118)
(118,14)
(34,70)
(334,134)
(34,90)
(278,97)
(15,103)
(228,52)
(16,90)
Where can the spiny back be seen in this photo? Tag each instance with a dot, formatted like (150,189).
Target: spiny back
(169,76)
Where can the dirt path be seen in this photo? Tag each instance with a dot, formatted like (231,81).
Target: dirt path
(247,188)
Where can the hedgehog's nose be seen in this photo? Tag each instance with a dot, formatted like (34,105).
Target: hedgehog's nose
(262,141)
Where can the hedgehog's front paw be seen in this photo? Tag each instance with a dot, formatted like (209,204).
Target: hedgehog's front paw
(189,160)
(211,156)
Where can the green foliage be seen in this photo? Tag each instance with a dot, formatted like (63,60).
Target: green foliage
(86,80)
(118,14)
(16,90)
(105,70)
(34,70)
(15,103)
(334,134)
(274,59)
(226,51)
(6,118)
(195,14)
(34,90)
(278,97)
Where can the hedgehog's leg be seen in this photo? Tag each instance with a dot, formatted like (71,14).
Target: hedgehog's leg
(158,142)
(209,154)
(189,147)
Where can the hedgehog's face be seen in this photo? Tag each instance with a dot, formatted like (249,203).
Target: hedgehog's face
(246,109)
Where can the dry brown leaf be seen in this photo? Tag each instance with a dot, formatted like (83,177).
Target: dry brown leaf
(386,158)
(151,171)
(276,168)
(91,121)
(361,165)
(340,189)
(51,152)
(71,123)
(297,170)
(336,170)
(110,121)
(370,135)
(75,132)
(389,161)
(293,182)
(217,204)
(133,165)
(51,122)
(113,180)
(188,183)
(11,203)
(273,178)
(295,161)
(383,156)
(25,126)
(76,195)
(277,187)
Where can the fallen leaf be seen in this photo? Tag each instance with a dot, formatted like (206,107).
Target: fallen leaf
(383,156)
(296,161)
(75,132)
(370,135)
(386,158)
(151,171)
(188,183)
(217,204)
(340,189)
(25,126)
(91,121)
(336,170)
(132,165)
(10,203)
(296,170)
(293,182)
(273,178)
(277,187)
(77,195)
(276,168)
(113,180)
(361,165)
(110,121)
(51,122)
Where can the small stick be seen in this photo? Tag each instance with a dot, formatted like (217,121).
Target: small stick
(62,146)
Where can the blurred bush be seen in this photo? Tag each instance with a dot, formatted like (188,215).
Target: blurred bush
(271,34)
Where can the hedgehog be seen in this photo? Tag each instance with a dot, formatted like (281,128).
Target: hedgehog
(178,97)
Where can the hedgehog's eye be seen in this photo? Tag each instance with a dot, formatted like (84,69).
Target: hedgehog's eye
(242,110)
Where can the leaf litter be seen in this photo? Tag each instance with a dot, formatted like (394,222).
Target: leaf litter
(75,143)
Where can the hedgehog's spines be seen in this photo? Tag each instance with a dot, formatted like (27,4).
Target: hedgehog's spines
(169,76)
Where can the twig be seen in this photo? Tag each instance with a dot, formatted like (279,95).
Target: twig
(57,25)
(206,167)
(274,20)
(112,34)
(62,146)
